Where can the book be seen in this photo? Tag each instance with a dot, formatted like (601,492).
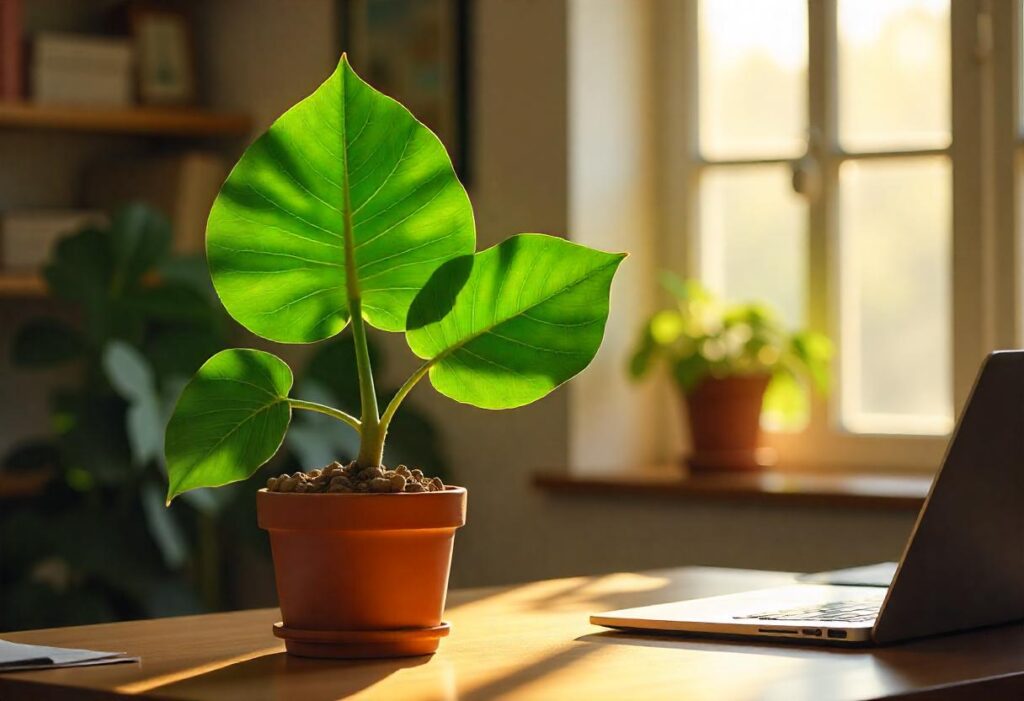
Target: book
(82,69)
(27,237)
(182,186)
(12,15)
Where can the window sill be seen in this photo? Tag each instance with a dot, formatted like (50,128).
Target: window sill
(842,489)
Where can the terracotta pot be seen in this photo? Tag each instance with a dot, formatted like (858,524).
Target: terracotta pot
(362,575)
(725,423)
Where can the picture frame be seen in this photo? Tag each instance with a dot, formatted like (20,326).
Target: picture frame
(417,51)
(164,54)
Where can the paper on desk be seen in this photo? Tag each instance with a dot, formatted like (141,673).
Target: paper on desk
(15,656)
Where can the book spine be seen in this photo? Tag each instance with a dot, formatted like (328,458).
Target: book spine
(11,49)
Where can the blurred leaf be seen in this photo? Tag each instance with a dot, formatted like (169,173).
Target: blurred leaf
(80,272)
(175,350)
(93,434)
(172,302)
(140,238)
(190,271)
(46,342)
(163,526)
(128,371)
(690,370)
(315,439)
(207,501)
(814,351)
(333,368)
(666,327)
(132,377)
(640,361)
(785,400)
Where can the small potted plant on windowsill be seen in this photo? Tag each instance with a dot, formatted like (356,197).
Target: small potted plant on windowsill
(730,363)
(347,212)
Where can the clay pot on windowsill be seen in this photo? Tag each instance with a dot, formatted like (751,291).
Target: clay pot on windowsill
(362,575)
(725,424)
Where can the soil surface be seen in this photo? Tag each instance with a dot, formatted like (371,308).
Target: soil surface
(338,478)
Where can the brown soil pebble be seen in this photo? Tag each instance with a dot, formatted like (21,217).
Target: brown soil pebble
(340,479)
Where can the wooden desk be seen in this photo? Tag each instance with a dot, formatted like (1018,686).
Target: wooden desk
(528,642)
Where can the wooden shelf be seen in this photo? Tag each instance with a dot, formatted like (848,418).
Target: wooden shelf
(864,490)
(15,485)
(154,121)
(22,285)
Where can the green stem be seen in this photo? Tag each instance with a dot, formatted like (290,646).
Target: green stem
(336,413)
(371,438)
(389,412)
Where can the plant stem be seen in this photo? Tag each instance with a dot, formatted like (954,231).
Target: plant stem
(330,411)
(389,412)
(371,438)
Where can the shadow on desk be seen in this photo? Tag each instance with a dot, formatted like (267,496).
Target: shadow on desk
(318,680)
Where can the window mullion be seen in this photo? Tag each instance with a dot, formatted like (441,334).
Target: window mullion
(975,287)
(822,141)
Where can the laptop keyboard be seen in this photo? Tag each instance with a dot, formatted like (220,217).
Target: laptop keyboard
(839,611)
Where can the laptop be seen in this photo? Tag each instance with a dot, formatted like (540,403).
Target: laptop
(963,566)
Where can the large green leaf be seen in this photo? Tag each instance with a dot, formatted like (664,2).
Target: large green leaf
(347,160)
(230,419)
(508,325)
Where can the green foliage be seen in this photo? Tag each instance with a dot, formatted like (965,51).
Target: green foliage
(348,212)
(346,157)
(505,327)
(122,366)
(231,418)
(701,337)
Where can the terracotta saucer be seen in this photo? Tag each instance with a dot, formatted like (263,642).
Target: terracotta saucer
(341,644)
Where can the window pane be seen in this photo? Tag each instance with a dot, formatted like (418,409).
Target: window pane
(753,237)
(896,339)
(753,73)
(894,74)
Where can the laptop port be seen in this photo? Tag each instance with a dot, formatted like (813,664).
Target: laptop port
(816,632)
(837,634)
(777,631)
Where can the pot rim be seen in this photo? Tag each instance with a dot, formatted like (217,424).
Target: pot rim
(448,489)
(285,511)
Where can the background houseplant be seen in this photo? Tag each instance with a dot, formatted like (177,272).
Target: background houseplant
(136,324)
(730,363)
(347,212)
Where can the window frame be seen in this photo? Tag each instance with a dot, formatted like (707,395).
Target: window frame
(986,295)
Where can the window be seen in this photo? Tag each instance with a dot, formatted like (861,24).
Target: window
(854,102)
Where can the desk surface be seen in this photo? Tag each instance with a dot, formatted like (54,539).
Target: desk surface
(531,641)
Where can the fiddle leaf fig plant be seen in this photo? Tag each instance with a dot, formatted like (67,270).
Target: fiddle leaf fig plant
(347,211)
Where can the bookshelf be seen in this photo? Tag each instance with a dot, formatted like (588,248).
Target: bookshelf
(153,121)
(22,285)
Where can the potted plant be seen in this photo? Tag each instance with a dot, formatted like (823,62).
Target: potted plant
(730,363)
(347,212)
